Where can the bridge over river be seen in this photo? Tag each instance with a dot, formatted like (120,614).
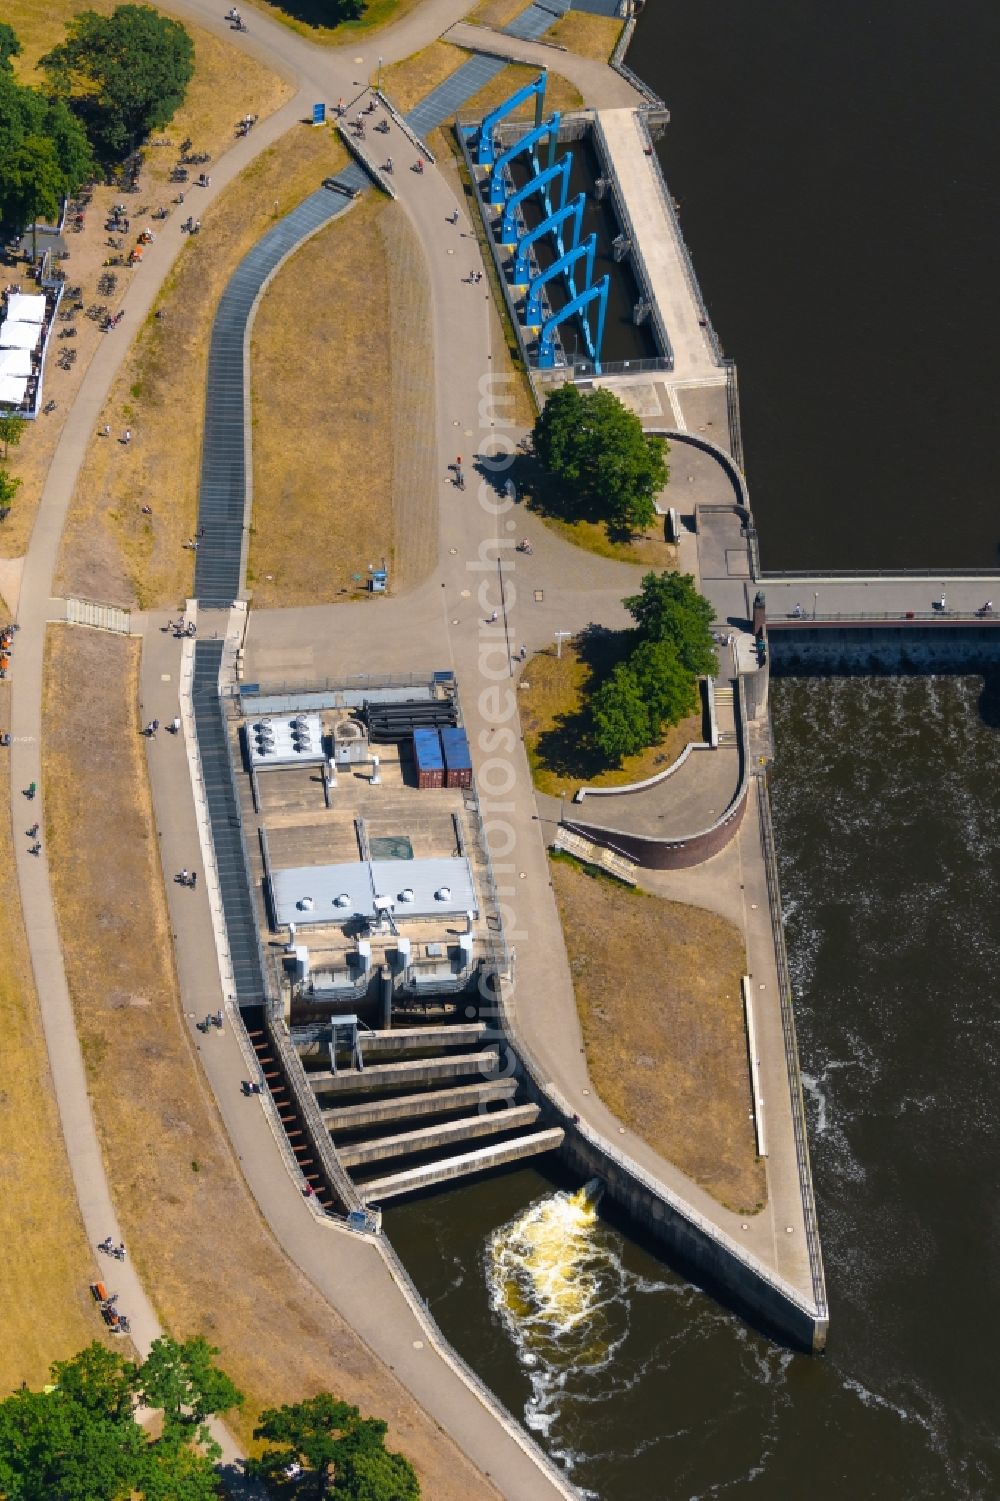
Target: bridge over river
(916,597)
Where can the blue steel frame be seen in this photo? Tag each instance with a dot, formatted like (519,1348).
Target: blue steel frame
(553,224)
(564,266)
(558,172)
(486,141)
(549,127)
(546,343)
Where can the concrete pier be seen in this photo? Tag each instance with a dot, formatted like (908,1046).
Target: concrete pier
(392,1075)
(651,224)
(412,1106)
(449,1168)
(312,1040)
(382,1148)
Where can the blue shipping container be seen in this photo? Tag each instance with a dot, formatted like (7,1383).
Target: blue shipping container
(428,758)
(457,757)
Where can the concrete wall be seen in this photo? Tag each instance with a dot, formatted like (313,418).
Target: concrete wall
(825,650)
(669,854)
(704,1257)
(678,854)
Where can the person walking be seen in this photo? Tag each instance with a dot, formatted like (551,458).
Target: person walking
(127,436)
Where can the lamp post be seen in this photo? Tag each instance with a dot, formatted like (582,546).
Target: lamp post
(815,598)
(560,637)
(378,85)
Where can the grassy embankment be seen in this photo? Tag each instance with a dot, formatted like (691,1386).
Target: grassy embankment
(343,474)
(657,987)
(46,1311)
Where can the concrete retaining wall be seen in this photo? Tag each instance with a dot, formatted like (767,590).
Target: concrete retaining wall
(698,1253)
(825,650)
(678,854)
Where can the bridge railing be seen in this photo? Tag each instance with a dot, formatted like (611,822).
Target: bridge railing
(893,617)
(941,576)
(791,1050)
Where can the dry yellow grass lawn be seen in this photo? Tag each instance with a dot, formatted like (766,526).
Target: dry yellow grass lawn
(648,548)
(343,473)
(667,1050)
(110,550)
(46,1311)
(553,720)
(227,84)
(497,13)
(208,1261)
(590,36)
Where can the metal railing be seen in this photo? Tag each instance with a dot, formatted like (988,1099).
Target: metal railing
(893,617)
(621,67)
(942,575)
(313,1121)
(791,1049)
(733,414)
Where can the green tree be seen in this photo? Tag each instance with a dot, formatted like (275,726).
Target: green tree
(33,183)
(126,74)
(43,152)
(622,723)
(172,1471)
(9,486)
(183,1380)
(669,608)
(668,689)
(10,46)
(332,1442)
(11,431)
(596,448)
(80,1440)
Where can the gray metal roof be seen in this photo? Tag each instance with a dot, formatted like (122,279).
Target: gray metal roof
(362,880)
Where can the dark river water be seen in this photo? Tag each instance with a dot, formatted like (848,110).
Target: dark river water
(837,170)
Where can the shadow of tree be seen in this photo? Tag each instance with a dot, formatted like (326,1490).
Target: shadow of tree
(569,748)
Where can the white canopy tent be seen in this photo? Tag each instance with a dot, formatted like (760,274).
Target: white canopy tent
(12,389)
(26,307)
(15,361)
(14,335)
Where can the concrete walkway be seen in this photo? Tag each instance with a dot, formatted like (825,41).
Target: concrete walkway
(599,86)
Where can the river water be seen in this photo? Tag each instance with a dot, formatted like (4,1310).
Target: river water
(834,166)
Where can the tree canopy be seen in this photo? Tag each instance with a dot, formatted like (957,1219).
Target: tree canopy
(607,466)
(656,685)
(80,1440)
(125,74)
(668,607)
(10,46)
(44,153)
(336,1451)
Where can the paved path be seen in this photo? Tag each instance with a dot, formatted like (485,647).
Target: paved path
(600,86)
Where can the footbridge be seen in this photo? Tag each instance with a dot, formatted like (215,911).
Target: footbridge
(906,599)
